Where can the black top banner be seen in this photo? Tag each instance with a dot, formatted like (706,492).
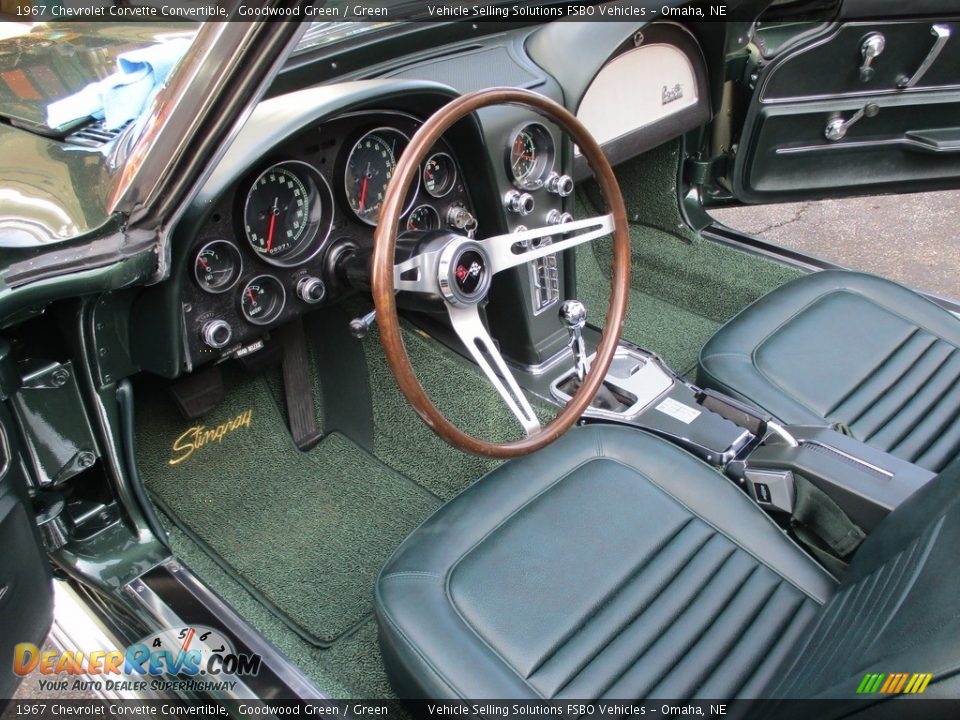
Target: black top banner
(380,11)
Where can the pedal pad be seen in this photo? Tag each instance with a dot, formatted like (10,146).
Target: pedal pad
(199,393)
(298,386)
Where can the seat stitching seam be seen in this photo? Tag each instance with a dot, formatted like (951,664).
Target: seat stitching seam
(937,434)
(776,635)
(735,542)
(872,373)
(710,625)
(766,338)
(734,642)
(760,657)
(400,574)
(913,396)
(616,591)
(890,416)
(680,612)
(636,614)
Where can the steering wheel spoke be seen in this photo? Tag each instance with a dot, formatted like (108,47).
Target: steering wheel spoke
(470,329)
(417,274)
(512,249)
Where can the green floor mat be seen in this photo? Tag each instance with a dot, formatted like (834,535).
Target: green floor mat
(305,532)
(350,668)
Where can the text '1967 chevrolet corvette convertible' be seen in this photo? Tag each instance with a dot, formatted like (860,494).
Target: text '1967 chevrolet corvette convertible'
(364,358)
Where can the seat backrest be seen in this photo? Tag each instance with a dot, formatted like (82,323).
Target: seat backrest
(896,611)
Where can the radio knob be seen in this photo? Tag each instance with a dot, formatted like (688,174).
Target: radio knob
(311,289)
(216,333)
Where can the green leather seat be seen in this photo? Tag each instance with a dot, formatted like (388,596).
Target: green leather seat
(851,350)
(614,565)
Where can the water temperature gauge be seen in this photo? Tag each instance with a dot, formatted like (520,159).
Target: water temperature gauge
(262,299)
(217,266)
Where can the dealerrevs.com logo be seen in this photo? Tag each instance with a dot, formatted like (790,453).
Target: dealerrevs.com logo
(192,658)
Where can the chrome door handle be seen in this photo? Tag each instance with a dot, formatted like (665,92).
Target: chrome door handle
(942,34)
(873,44)
(837,128)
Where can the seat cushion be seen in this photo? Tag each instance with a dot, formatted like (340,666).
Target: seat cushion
(609,565)
(851,350)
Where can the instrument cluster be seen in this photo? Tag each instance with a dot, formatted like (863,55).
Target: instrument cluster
(265,253)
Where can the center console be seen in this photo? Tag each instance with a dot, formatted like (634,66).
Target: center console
(750,448)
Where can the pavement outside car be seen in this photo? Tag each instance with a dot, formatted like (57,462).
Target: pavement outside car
(30,687)
(913,239)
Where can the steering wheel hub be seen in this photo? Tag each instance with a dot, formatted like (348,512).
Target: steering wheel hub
(463,270)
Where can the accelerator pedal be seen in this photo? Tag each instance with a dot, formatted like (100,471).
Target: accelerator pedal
(297,386)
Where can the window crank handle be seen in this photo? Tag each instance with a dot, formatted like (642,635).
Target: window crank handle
(837,128)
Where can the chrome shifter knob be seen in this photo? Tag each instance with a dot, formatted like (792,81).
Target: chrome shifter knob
(573,314)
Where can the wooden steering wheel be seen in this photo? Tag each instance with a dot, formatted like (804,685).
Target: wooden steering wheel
(459,270)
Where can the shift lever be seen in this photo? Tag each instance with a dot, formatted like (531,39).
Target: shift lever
(573,314)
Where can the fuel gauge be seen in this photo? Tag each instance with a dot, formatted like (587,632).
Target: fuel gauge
(423,217)
(262,300)
(217,266)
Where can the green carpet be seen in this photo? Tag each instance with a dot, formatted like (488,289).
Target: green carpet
(461,392)
(683,286)
(350,668)
(305,532)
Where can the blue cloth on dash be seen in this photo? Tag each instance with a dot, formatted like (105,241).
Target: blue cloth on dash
(121,97)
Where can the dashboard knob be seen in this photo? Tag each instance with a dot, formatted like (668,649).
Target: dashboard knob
(519,202)
(562,185)
(216,333)
(555,217)
(311,289)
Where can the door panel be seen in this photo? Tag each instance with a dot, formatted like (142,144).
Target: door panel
(818,126)
(26,591)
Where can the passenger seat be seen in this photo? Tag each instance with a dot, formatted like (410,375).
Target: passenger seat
(852,350)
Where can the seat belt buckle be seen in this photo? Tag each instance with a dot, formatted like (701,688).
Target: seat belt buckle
(772,489)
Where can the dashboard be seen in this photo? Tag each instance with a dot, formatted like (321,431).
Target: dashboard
(285,222)
(270,246)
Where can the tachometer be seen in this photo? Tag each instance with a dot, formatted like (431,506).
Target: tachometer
(262,299)
(369,169)
(283,212)
(530,156)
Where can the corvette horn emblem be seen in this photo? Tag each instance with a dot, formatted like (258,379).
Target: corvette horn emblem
(469,272)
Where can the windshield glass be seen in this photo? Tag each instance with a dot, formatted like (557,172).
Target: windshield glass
(48,70)
(323,34)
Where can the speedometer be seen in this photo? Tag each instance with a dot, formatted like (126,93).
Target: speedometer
(369,168)
(283,212)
